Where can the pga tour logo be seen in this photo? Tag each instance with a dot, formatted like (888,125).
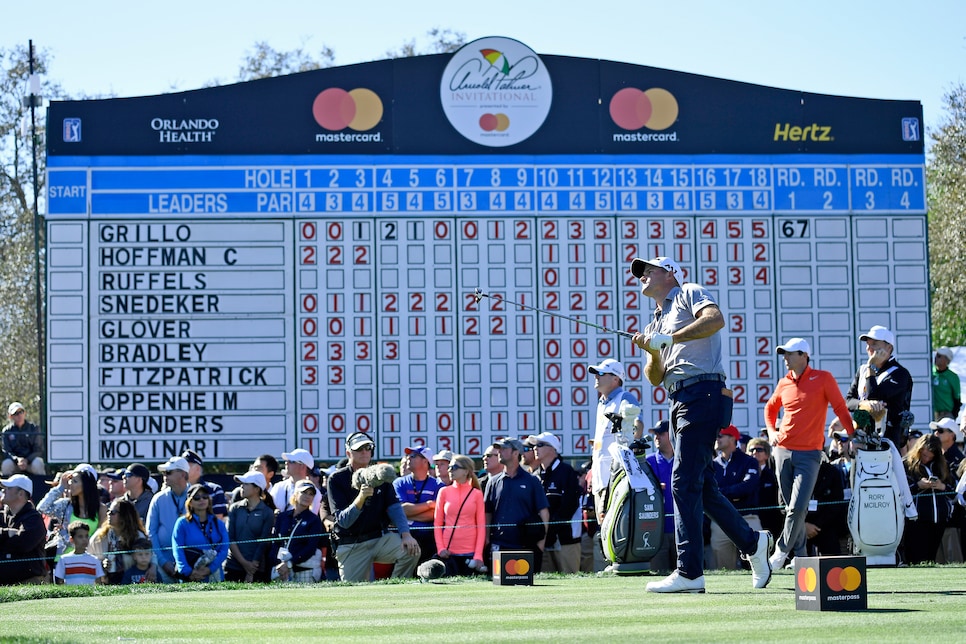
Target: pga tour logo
(72,130)
(910,129)
(496,91)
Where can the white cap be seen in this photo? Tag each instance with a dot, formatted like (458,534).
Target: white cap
(14,408)
(86,467)
(443,455)
(945,351)
(300,455)
(668,264)
(608,366)
(879,333)
(21,481)
(175,463)
(795,344)
(549,439)
(254,477)
(949,425)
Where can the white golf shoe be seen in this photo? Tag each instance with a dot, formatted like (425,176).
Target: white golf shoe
(676,583)
(760,566)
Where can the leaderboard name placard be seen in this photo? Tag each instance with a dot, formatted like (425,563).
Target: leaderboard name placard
(249,303)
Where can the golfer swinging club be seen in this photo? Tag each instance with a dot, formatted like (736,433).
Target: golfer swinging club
(683,349)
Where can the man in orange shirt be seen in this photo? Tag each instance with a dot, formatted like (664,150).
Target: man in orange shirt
(805,394)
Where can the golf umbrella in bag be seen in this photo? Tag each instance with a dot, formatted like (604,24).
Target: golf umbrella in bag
(633,527)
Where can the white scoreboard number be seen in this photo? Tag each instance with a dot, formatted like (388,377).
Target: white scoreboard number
(197,307)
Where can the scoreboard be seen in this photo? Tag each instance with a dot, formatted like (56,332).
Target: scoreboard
(213,287)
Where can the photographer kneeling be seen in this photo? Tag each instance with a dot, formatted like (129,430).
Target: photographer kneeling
(361,534)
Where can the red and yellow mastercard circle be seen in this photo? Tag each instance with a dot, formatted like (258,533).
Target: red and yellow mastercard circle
(516,566)
(655,109)
(847,579)
(491,122)
(807,580)
(359,109)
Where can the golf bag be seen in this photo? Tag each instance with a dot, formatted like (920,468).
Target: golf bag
(876,509)
(633,528)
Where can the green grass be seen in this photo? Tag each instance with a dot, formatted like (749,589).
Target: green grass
(904,605)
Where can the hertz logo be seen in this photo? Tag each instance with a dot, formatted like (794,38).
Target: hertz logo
(813,132)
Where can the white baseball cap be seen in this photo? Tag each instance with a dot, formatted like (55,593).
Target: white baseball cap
(608,366)
(21,481)
(300,455)
(945,351)
(14,408)
(949,425)
(795,344)
(549,439)
(254,477)
(174,463)
(668,264)
(879,333)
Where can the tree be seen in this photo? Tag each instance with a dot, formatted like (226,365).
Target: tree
(442,41)
(264,62)
(946,196)
(19,378)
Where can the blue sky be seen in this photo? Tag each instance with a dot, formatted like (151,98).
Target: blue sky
(871,48)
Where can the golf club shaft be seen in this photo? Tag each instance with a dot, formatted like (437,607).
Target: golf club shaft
(480,294)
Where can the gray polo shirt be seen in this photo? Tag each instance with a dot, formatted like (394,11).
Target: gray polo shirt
(694,357)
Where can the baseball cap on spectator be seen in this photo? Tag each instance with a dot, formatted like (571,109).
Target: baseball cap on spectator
(153,485)
(879,333)
(732,431)
(668,264)
(175,463)
(662,427)
(254,477)
(794,344)
(947,425)
(300,456)
(14,408)
(192,457)
(86,467)
(443,455)
(111,473)
(549,439)
(425,452)
(137,469)
(608,366)
(21,481)
(305,484)
(511,442)
(357,441)
(530,440)
(945,351)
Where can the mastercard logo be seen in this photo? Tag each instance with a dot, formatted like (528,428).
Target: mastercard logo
(359,109)
(847,579)
(494,122)
(837,579)
(516,566)
(655,109)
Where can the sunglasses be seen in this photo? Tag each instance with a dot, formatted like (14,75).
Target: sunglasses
(758,449)
(542,445)
(200,497)
(454,466)
(490,455)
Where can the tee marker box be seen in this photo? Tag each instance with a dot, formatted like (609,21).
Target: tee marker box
(513,568)
(831,583)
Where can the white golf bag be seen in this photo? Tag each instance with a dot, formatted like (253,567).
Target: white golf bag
(877,507)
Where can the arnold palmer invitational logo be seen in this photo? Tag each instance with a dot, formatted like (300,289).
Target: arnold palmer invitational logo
(496,91)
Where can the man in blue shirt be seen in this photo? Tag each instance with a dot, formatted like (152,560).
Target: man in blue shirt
(166,506)
(417,493)
(661,462)
(737,476)
(512,498)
